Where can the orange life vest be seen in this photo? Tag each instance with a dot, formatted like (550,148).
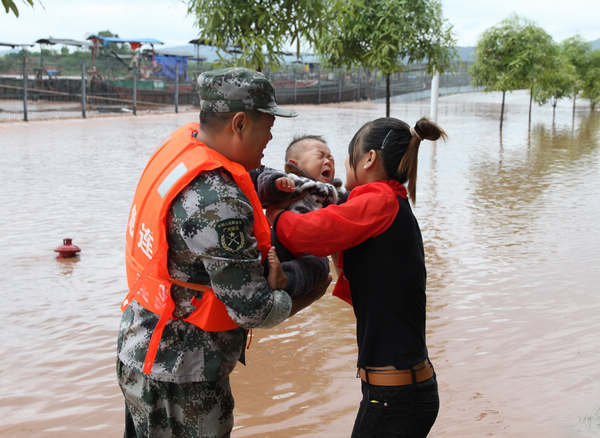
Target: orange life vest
(172,167)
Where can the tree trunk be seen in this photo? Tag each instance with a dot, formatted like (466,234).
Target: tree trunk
(530,102)
(387,95)
(573,115)
(502,109)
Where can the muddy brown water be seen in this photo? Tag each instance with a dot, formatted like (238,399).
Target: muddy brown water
(512,235)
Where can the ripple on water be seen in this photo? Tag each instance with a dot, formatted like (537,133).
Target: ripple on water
(509,225)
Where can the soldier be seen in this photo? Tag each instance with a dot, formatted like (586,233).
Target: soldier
(195,240)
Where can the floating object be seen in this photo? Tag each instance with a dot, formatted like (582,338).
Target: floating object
(67,249)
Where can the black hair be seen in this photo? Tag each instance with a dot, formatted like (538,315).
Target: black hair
(298,139)
(399,148)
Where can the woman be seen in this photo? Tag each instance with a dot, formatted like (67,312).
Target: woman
(382,274)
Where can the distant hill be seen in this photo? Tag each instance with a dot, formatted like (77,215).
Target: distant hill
(595,44)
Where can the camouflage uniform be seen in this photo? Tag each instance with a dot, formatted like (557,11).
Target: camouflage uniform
(209,232)
(238,89)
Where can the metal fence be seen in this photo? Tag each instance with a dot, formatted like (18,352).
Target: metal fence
(32,87)
(316,87)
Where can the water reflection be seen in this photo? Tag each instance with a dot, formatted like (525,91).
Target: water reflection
(507,194)
(524,268)
(67,265)
(436,246)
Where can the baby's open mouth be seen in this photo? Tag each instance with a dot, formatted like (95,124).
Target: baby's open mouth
(326,173)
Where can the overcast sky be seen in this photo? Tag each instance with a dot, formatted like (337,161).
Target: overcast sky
(167,20)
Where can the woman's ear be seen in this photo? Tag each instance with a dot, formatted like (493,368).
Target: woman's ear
(369,159)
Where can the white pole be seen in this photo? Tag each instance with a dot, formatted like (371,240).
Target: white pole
(435,91)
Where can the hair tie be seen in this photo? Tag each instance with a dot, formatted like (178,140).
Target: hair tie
(414,133)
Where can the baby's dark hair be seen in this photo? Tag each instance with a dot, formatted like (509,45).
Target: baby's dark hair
(291,149)
(398,145)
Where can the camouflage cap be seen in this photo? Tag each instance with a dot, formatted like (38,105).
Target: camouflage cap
(238,89)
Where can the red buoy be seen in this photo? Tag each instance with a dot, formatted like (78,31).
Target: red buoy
(67,249)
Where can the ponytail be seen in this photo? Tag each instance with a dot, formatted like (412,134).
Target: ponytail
(424,129)
(398,145)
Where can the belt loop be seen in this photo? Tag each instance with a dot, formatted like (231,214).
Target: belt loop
(413,376)
(366,396)
(432,368)
(368,385)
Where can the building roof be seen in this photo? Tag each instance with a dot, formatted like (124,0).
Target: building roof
(107,40)
(15,45)
(64,41)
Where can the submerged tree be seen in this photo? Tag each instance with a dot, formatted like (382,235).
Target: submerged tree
(511,56)
(386,35)
(576,52)
(555,83)
(258,29)
(591,79)
(537,56)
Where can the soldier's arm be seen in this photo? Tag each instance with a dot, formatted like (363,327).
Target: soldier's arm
(220,236)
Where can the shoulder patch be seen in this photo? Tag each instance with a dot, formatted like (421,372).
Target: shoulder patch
(232,237)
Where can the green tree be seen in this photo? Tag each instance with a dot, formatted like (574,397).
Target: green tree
(107,33)
(9,5)
(555,83)
(536,57)
(259,29)
(511,56)
(577,52)
(386,35)
(591,79)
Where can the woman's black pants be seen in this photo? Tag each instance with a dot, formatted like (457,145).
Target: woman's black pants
(406,411)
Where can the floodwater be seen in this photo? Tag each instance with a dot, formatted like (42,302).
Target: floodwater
(512,235)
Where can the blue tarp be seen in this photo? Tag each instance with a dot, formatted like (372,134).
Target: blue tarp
(107,40)
(165,66)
